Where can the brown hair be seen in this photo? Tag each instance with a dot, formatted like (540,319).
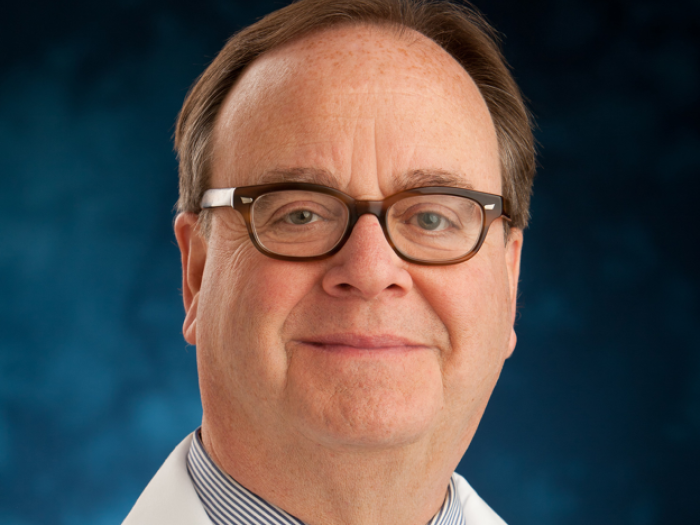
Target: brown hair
(460,30)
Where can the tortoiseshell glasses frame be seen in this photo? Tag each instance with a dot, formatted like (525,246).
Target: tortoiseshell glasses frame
(404,236)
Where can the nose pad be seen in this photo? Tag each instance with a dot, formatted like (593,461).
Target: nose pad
(367,266)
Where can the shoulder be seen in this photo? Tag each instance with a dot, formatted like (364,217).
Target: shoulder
(475,509)
(170,497)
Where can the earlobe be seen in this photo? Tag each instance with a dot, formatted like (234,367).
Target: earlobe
(193,252)
(189,326)
(514,246)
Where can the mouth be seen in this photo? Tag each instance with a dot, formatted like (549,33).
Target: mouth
(357,342)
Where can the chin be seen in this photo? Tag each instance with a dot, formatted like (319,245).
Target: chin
(369,421)
(373,399)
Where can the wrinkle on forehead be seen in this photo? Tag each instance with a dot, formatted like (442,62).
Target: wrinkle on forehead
(406,181)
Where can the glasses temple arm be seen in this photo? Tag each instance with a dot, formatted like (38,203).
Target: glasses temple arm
(505,209)
(216,198)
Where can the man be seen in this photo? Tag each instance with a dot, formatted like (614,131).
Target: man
(349,266)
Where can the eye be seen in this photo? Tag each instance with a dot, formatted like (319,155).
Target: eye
(430,221)
(301,217)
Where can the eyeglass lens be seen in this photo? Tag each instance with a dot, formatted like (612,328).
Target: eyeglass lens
(298,223)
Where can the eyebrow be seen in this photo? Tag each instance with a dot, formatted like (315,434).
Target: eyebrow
(406,181)
(308,175)
(431,177)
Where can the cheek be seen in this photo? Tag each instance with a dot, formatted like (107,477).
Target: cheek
(245,303)
(472,301)
(251,291)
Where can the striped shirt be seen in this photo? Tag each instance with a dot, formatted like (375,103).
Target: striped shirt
(227,502)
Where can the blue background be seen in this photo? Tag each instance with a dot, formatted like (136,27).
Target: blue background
(597,416)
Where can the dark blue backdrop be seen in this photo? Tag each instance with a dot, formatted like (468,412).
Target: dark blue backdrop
(597,415)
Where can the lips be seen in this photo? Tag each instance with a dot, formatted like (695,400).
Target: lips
(362,342)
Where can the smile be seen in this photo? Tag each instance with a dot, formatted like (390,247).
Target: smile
(357,342)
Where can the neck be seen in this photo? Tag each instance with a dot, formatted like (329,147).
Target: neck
(403,485)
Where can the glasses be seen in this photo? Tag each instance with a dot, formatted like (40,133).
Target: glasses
(307,222)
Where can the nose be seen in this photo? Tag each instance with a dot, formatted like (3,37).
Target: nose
(367,266)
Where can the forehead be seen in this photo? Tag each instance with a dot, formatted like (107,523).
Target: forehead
(349,100)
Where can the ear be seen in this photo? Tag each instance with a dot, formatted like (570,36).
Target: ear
(193,250)
(514,247)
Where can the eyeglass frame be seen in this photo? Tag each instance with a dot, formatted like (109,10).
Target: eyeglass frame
(242,199)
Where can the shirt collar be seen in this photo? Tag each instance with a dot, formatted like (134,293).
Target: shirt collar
(227,502)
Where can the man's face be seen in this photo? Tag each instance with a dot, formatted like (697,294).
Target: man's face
(361,349)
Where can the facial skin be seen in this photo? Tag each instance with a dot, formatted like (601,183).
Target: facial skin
(361,355)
